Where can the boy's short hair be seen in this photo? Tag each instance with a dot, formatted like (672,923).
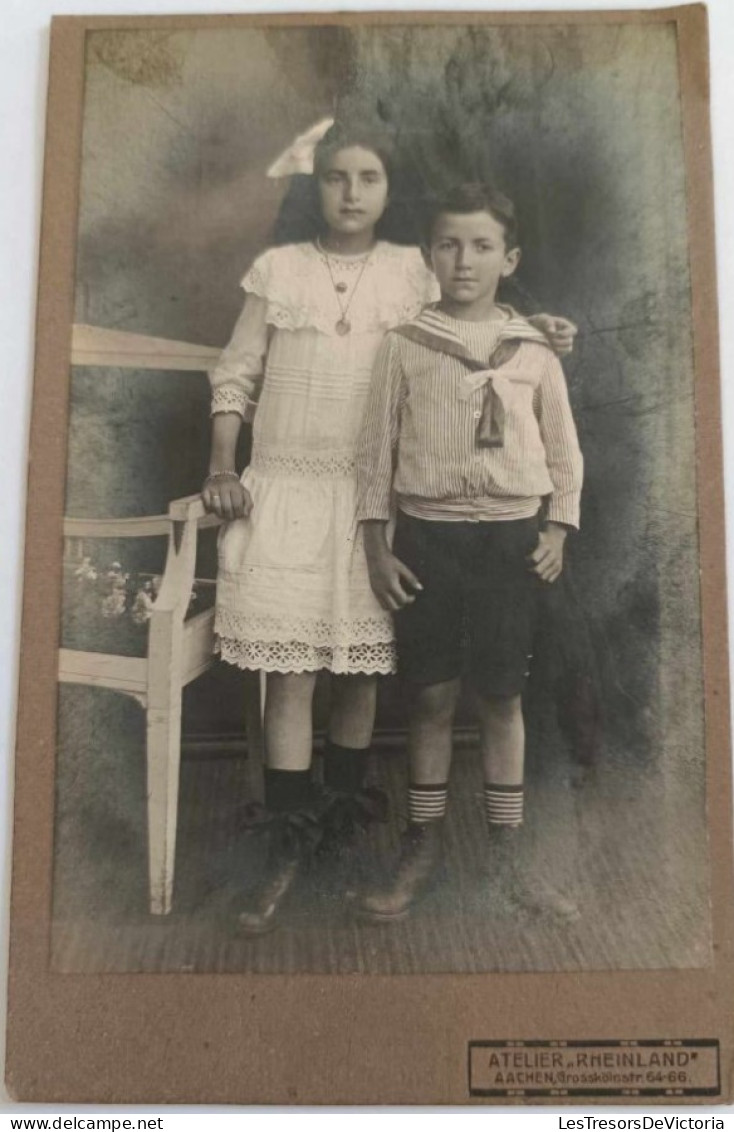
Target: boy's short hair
(474,197)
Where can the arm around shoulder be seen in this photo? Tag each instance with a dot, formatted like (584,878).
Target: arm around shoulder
(563,455)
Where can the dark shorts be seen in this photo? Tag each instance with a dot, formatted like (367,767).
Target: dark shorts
(476,614)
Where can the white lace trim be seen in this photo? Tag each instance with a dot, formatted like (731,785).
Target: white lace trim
(395,286)
(226,399)
(342,264)
(312,464)
(315,632)
(296,656)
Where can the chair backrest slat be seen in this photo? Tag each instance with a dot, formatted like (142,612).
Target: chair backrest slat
(143,526)
(100,346)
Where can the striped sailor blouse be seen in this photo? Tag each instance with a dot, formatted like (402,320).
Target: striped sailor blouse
(419,434)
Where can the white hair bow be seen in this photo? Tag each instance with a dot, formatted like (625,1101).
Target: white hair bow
(299,156)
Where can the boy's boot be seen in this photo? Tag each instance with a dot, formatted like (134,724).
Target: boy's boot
(416,872)
(349,808)
(294,831)
(521,884)
(420,859)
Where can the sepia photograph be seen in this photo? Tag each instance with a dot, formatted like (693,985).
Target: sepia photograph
(380,641)
(374,576)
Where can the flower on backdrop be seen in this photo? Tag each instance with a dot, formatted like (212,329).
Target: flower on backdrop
(85,571)
(114,604)
(142,605)
(115,592)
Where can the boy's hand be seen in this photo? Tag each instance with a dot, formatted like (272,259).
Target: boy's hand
(547,559)
(393,584)
(227,498)
(560,332)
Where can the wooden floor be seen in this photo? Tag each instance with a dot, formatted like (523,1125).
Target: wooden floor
(628,847)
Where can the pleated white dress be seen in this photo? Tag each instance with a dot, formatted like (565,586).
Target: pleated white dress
(293,592)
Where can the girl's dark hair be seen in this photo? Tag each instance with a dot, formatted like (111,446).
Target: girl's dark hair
(344,135)
(300,219)
(474,197)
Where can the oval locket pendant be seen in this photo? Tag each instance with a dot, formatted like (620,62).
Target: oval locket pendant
(343,327)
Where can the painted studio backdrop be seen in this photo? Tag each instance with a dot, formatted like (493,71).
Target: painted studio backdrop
(581,126)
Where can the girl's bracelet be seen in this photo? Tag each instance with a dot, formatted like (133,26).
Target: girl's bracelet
(228,475)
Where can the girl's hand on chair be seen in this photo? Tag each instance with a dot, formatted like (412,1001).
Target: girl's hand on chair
(560,332)
(226,497)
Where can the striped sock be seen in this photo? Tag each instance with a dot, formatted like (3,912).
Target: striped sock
(503,804)
(427,801)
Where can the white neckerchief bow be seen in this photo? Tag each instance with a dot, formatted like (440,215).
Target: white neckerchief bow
(502,381)
(432,329)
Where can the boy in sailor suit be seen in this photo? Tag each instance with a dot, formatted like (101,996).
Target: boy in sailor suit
(468,424)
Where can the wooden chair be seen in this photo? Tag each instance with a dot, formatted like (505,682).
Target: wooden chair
(179,648)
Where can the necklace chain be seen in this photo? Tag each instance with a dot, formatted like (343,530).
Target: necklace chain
(343,326)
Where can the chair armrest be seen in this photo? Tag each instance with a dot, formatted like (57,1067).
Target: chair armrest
(191,509)
(186,517)
(188,509)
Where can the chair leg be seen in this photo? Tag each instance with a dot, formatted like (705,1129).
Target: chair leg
(254,712)
(164,762)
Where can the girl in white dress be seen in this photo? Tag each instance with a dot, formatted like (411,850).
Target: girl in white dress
(293,592)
